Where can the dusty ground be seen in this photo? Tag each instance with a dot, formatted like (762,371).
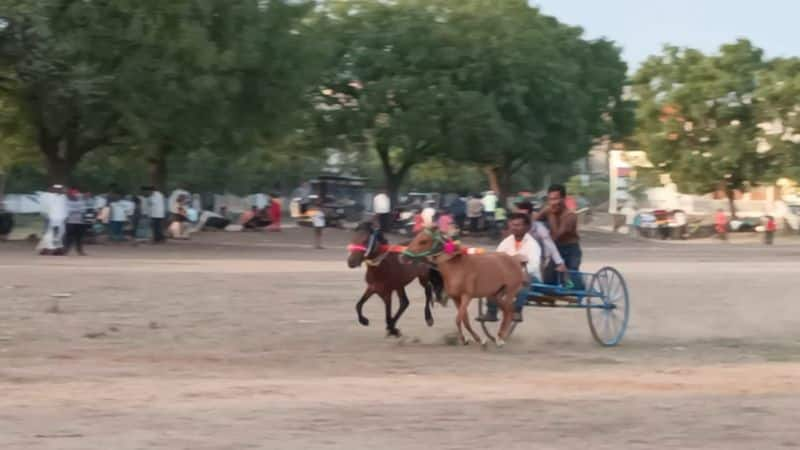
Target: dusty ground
(236,341)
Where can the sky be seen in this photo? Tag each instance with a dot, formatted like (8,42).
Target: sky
(641,27)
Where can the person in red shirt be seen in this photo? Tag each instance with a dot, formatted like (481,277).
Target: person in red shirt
(721,224)
(275,213)
(770,229)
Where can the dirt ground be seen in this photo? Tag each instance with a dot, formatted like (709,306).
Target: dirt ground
(250,341)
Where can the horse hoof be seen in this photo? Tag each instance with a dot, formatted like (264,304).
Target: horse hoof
(429,322)
(363,321)
(394,333)
(500,343)
(484,342)
(467,341)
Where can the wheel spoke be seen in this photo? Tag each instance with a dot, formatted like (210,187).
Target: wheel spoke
(606,322)
(616,291)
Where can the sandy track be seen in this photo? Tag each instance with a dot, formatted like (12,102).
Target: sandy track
(250,341)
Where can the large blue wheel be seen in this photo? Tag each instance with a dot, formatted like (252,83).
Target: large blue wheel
(608,307)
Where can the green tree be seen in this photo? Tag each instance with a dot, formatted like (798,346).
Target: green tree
(698,117)
(58,58)
(15,137)
(388,85)
(153,77)
(778,93)
(490,83)
(537,92)
(216,76)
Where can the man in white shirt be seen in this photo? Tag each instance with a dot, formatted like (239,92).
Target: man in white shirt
(157,210)
(429,213)
(54,208)
(522,245)
(118,218)
(382,207)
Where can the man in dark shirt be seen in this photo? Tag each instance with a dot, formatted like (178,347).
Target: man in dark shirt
(563,225)
(458,209)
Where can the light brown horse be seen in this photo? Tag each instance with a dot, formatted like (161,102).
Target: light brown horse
(386,274)
(489,275)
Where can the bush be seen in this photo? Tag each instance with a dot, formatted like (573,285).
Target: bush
(596,192)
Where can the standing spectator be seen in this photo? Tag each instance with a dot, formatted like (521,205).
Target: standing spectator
(118,218)
(55,211)
(458,209)
(474,212)
(318,222)
(135,217)
(275,213)
(180,216)
(489,205)
(419,222)
(500,216)
(157,211)
(445,222)
(89,218)
(6,222)
(721,225)
(428,213)
(382,207)
(681,222)
(76,225)
(769,230)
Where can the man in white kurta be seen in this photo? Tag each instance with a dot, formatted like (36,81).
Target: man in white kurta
(54,208)
(522,245)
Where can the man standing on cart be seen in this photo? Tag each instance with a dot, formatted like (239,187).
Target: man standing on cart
(563,224)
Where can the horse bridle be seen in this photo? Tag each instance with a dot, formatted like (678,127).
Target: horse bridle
(369,249)
(436,249)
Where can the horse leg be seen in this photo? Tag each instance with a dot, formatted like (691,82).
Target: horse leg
(460,318)
(428,301)
(387,302)
(508,311)
(367,294)
(401,294)
(465,307)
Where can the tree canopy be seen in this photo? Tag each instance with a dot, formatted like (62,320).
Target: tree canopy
(722,121)
(490,83)
(140,75)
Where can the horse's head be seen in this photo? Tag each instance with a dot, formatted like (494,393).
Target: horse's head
(365,244)
(429,242)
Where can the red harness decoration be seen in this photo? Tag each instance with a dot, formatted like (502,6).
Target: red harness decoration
(401,248)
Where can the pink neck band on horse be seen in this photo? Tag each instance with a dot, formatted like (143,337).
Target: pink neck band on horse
(356,248)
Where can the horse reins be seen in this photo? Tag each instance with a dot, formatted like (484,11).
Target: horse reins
(371,247)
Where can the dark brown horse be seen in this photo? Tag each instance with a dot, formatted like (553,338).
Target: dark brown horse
(387,274)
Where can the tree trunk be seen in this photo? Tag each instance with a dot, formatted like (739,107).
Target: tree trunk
(393,188)
(157,166)
(505,187)
(499,182)
(394,178)
(730,193)
(58,169)
(492,173)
